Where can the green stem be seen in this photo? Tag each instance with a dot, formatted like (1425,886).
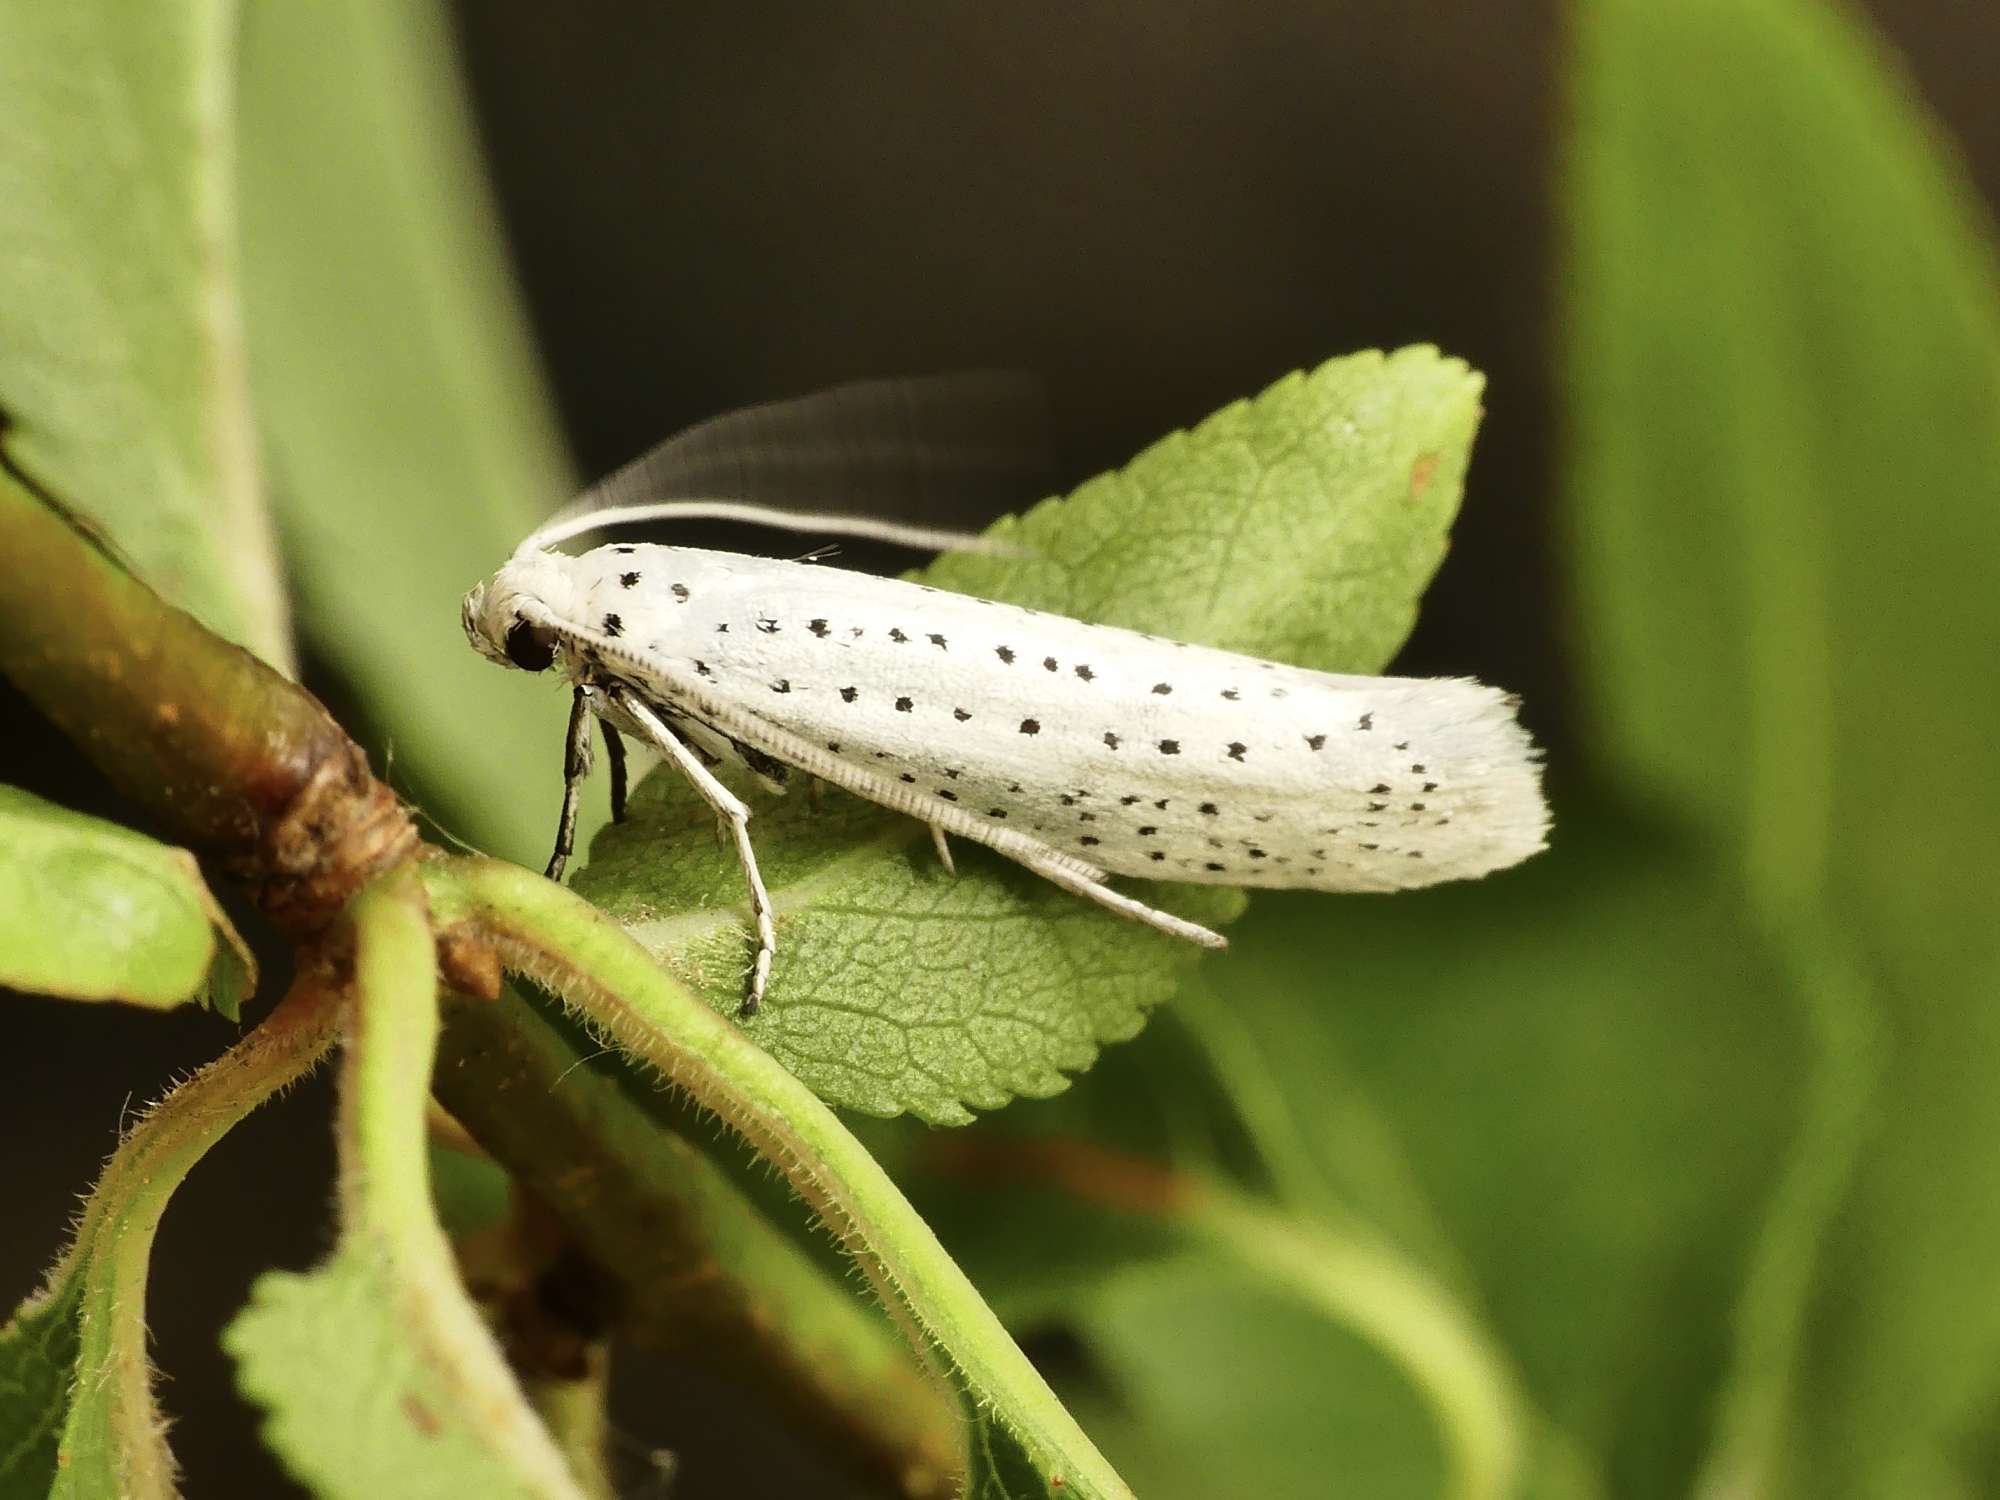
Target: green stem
(385,1192)
(702,1270)
(111,1418)
(584,957)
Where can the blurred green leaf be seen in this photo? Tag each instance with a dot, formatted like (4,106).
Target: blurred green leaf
(1302,525)
(93,911)
(382,1339)
(1785,406)
(1290,1345)
(77,1416)
(471,1190)
(121,361)
(1511,1086)
(410,442)
(1517,1082)
(1238,1391)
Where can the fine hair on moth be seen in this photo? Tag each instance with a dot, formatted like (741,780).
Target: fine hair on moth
(1080,751)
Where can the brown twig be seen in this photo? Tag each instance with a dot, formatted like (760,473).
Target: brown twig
(233,760)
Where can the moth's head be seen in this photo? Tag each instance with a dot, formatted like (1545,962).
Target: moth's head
(504,618)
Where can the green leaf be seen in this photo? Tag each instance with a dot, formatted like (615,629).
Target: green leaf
(472,1190)
(617,990)
(382,1340)
(328,1355)
(93,911)
(121,360)
(39,1348)
(997,1466)
(410,442)
(1301,526)
(1785,402)
(77,1417)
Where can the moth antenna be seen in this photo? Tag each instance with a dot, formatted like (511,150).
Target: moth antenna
(927,538)
(881,447)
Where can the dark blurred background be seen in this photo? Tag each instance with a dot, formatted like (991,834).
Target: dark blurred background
(1157,209)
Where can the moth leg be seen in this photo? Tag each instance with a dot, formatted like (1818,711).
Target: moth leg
(729,811)
(614,751)
(576,766)
(943,849)
(1124,905)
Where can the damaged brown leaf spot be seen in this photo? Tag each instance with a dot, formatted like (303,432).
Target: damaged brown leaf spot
(421,1416)
(1422,472)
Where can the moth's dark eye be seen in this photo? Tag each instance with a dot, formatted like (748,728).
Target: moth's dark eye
(531,647)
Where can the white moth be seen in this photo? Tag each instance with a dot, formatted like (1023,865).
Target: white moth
(1081,751)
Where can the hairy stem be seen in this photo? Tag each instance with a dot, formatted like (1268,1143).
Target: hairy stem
(595,967)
